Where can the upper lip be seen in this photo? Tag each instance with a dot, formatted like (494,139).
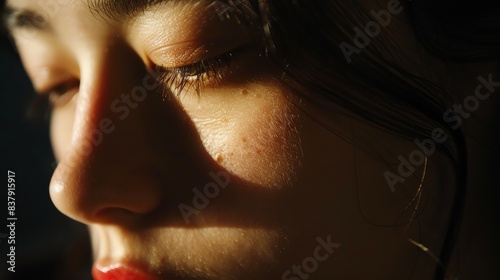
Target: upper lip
(121,271)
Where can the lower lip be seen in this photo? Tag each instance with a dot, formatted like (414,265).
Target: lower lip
(119,272)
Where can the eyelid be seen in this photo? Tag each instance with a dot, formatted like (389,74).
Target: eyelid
(196,48)
(185,53)
(61,93)
(63,87)
(49,78)
(206,57)
(225,58)
(44,103)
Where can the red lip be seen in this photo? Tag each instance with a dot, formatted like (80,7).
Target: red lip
(119,272)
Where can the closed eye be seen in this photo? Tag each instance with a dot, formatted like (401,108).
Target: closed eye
(44,103)
(195,76)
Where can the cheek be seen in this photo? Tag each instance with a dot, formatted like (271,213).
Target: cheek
(252,132)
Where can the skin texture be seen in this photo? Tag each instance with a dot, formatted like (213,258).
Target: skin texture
(127,165)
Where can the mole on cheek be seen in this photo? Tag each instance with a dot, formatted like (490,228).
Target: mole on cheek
(219,159)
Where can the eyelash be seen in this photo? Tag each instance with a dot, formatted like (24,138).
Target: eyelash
(194,76)
(175,79)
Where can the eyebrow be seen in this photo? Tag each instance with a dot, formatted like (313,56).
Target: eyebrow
(121,10)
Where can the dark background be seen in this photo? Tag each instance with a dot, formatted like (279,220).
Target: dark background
(48,245)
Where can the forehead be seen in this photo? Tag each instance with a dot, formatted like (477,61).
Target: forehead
(118,9)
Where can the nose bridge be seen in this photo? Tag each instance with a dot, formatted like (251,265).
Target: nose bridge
(110,94)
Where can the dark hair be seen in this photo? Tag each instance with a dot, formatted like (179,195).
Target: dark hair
(304,38)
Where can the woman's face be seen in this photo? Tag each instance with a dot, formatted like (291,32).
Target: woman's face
(188,158)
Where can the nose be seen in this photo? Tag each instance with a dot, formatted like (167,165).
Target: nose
(124,143)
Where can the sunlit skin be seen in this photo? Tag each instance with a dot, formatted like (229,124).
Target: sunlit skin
(291,180)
